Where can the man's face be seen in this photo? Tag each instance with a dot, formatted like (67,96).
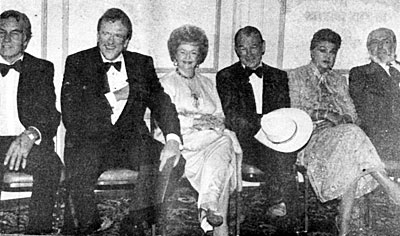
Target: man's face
(250,50)
(112,39)
(381,47)
(12,39)
(324,56)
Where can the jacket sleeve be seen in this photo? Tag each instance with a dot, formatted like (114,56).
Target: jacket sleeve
(357,79)
(237,119)
(85,109)
(160,104)
(37,105)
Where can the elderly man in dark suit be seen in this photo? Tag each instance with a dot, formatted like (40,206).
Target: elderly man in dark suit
(248,89)
(375,90)
(105,92)
(28,118)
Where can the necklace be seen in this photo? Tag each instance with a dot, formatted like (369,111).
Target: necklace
(184,76)
(190,82)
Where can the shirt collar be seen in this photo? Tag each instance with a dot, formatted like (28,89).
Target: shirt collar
(119,58)
(255,68)
(2,60)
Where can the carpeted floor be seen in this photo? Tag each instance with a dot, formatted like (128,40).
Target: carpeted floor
(182,215)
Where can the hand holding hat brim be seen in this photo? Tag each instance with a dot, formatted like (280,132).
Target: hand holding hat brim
(285,130)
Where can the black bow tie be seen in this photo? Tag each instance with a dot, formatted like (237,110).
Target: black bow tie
(4,68)
(117,65)
(257,71)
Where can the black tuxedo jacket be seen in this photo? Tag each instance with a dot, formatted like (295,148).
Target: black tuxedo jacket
(87,113)
(36,98)
(376,97)
(237,97)
(238,104)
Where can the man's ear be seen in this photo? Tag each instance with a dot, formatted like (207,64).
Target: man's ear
(263,47)
(126,43)
(237,52)
(25,43)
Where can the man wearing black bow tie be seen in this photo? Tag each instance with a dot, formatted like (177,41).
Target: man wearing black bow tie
(105,93)
(28,118)
(248,89)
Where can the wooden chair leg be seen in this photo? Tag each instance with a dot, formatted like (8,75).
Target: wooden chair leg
(303,172)
(306,184)
(238,212)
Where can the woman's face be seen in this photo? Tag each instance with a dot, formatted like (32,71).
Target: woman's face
(324,56)
(187,55)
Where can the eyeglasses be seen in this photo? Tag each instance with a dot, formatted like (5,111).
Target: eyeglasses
(15,34)
(117,37)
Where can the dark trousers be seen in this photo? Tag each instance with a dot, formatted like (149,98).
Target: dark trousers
(85,162)
(280,182)
(45,167)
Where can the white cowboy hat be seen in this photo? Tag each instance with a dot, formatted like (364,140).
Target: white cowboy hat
(285,129)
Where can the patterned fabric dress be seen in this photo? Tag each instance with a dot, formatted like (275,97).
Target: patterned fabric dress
(335,156)
(212,153)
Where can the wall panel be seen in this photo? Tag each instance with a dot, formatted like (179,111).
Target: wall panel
(34,10)
(152,22)
(352,19)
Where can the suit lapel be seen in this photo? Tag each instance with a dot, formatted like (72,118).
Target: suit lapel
(267,79)
(100,75)
(22,84)
(131,70)
(378,78)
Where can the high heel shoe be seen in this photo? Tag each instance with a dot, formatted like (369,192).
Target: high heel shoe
(214,218)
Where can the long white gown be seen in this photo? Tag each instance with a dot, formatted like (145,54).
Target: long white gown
(213,154)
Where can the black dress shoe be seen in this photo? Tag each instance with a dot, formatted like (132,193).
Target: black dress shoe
(137,221)
(87,229)
(90,228)
(129,229)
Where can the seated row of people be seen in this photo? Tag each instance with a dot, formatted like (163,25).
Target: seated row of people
(341,161)
(106,90)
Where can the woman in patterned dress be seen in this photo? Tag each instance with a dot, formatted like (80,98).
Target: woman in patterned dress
(340,159)
(211,151)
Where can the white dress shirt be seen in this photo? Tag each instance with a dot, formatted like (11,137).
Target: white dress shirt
(10,125)
(116,80)
(257,85)
(386,67)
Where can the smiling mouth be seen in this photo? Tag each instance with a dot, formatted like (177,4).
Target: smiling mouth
(109,47)
(188,62)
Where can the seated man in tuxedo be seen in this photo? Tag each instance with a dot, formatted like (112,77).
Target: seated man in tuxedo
(248,89)
(105,93)
(28,118)
(375,90)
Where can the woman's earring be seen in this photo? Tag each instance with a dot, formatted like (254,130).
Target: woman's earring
(175,63)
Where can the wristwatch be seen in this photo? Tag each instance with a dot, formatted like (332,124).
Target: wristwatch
(30,135)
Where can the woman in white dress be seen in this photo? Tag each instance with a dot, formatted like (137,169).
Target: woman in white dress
(212,152)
